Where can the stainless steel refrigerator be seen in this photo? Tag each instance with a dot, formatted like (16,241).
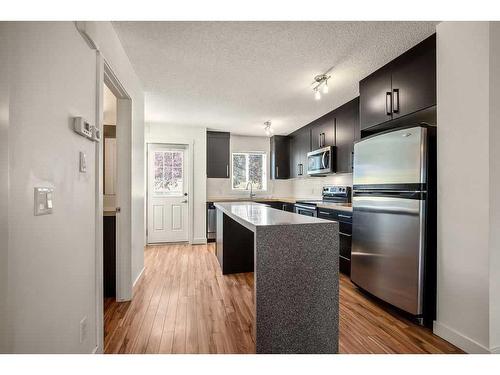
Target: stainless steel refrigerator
(393,250)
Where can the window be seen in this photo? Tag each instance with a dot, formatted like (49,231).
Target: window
(249,166)
(168,169)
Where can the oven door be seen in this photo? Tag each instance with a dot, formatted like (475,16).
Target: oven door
(320,161)
(305,210)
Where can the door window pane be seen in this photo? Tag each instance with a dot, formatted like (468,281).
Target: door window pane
(169,172)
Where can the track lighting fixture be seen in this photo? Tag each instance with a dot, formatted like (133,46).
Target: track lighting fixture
(320,81)
(317,94)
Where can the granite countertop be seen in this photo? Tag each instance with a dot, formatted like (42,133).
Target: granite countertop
(247,199)
(328,205)
(254,214)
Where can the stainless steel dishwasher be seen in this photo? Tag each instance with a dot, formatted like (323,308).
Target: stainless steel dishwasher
(211,222)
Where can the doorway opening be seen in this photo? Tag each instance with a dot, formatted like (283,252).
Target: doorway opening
(113,203)
(109,174)
(168,208)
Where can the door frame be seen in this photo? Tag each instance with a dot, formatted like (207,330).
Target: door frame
(124,285)
(189,145)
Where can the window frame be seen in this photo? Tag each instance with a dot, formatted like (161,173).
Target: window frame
(247,155)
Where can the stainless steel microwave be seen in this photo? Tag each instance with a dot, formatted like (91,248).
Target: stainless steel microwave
(322,161)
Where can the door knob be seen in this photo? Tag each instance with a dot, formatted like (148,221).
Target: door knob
(184,201)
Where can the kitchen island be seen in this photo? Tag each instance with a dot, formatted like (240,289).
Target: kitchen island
(295,263)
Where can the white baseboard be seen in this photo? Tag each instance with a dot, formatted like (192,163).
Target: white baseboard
(199,241)
(138,277)
(465,343)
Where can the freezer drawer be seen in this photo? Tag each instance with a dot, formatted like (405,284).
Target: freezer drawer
(387,249)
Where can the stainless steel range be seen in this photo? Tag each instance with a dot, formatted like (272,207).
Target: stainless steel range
(330,194)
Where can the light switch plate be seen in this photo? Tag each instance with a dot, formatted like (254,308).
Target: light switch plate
(44,198)
(83,162)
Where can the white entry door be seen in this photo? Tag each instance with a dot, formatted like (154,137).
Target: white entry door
(167,194)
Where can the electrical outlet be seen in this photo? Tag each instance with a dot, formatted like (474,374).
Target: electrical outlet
(83,329)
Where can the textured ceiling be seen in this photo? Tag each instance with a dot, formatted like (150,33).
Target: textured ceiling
(233,76)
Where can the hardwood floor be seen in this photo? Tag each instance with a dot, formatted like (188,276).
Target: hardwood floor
(183,304)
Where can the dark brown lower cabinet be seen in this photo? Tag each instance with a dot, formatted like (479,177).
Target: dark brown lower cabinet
(109,256)
(344,219)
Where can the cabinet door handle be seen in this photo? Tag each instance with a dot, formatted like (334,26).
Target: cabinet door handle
(345,216)
(388,103)
(277,172)
(319,140)
(323,142)
(300,169)
(352,161)
(227,170)
(395,101)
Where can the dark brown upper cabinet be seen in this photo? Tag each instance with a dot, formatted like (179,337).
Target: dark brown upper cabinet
(218,154)
(374,94)
(403,86)
(323,132)
(280,157)
(300,145)
(414,79)
(346,126)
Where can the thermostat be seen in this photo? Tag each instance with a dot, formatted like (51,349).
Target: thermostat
(82,127)
(96,134)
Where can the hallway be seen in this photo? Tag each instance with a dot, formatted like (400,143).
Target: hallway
(183,304)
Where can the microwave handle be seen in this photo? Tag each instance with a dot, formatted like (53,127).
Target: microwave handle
(323,160)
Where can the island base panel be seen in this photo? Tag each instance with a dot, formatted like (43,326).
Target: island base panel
(296,288)
(235,246)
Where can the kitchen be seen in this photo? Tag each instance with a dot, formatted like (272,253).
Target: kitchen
(367,163)
(272,187)
(315,171)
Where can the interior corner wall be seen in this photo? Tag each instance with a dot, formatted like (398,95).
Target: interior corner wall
(4,182)
(51,258)
(164,133)
(108,43)
(494,197)
(463,158)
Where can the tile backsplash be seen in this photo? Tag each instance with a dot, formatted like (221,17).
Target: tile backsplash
(312,187)
(307,187)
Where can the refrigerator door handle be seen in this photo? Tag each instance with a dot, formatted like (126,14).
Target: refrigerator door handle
(410,194)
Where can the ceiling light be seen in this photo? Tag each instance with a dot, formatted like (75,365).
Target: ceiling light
(317,94)
(325,87)
(320,81)
(267,128)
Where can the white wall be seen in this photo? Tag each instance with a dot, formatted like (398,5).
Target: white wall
(494,187)
(4,183)
(51,259)
(163,133)
(465,162)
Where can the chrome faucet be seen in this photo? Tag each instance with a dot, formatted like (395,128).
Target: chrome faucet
(252,195)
